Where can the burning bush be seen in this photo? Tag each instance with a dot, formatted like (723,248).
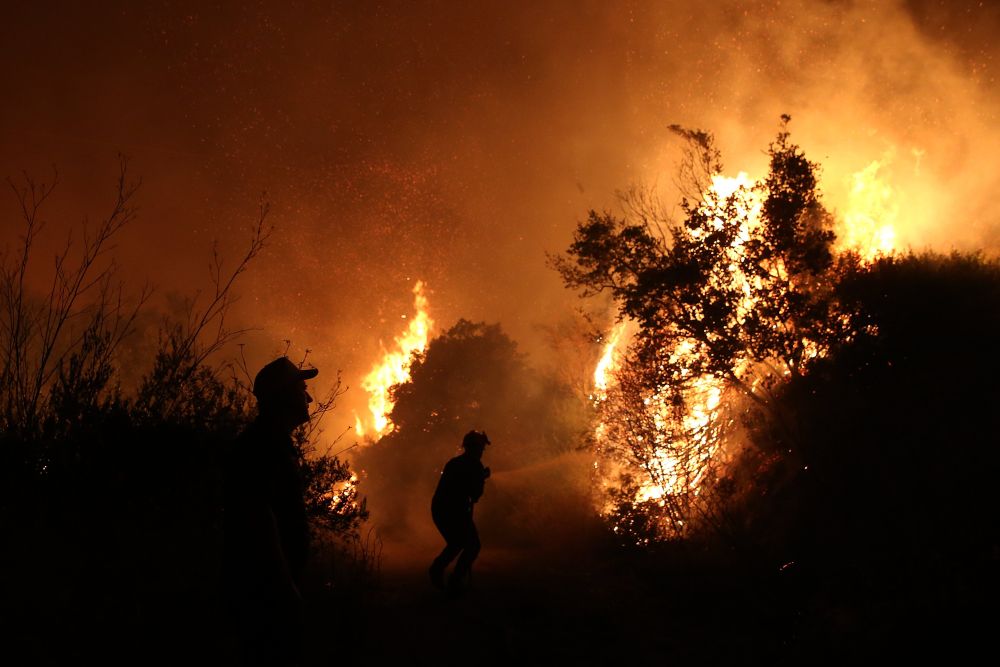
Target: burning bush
(732,299)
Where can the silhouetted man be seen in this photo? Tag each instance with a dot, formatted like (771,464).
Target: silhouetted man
(265,522)
(460,487)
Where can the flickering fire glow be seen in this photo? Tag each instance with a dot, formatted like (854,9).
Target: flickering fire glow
(394,368)
(348,488)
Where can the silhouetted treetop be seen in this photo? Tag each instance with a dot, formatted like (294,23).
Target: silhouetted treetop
(741,275)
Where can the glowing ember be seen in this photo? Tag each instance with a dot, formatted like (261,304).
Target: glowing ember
(394,368)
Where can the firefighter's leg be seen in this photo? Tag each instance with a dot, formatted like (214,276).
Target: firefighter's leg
(470,550)
(453,535)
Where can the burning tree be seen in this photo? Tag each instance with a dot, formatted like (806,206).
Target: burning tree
(727,301)
(394,368)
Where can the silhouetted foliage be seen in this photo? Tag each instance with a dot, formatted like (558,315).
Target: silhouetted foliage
(886,512)
(71,332)
(332,499)
(735,288)
(110,501)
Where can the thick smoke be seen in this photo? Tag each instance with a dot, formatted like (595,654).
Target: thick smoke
(458,142)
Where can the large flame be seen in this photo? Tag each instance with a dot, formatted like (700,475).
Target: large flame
(394,368)
(608,363)
(868,224)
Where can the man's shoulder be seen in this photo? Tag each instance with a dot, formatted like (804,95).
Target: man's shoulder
(251,448)
(259,436)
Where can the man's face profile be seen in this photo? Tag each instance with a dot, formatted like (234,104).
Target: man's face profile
(300,400)
(291,404)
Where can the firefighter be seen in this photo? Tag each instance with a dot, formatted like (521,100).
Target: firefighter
(458,490)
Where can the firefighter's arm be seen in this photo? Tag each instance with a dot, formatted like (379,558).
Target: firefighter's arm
(477,483)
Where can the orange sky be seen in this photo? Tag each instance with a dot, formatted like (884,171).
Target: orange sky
(456,143)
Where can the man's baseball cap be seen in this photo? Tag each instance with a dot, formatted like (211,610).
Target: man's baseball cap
(278,376)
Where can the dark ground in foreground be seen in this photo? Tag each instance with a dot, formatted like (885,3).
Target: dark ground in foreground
(518,609)
(590,603)
(603,606)
(532,607)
